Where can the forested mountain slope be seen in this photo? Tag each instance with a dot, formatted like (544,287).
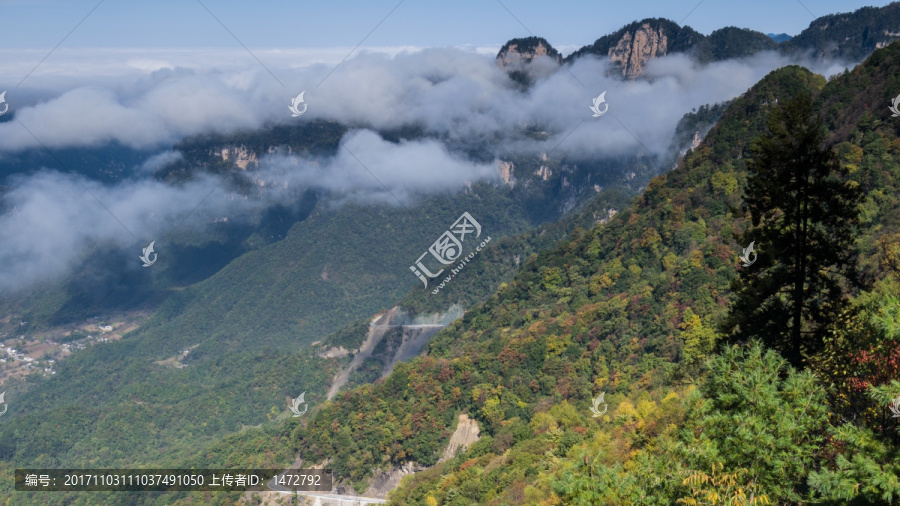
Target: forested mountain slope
(244,329)
(630,310)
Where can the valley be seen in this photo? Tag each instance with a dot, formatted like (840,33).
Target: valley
(31,353)
(611,342)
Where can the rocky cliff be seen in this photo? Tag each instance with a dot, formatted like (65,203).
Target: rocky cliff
(636,48)
(847,36)
(631,47)
(516,53)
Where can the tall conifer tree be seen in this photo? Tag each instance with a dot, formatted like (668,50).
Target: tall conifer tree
(804,212)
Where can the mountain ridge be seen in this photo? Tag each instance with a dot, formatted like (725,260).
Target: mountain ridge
(850,36)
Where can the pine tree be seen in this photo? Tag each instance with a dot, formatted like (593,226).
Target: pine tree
(804,212)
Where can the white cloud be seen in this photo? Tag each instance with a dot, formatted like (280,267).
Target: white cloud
(56,219)
(158,161)
(367,164)
(457,95)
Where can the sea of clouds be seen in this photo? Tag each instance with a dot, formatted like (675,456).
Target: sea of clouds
(154,98)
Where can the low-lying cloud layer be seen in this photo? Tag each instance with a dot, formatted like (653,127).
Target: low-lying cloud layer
(457,93)
(371,169)
(56,219)
(460,95)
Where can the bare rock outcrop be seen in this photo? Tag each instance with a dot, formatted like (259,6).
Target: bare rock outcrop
(466,433)
(506,170)
(636,48)
(516,53)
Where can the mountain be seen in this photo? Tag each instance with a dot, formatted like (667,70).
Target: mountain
(517,52)
(541,189)
(780,37)
(110,163)
(516,55)
(731,42)
(631,47)
(587,308)
(246,322)
(848,37)
(628,309)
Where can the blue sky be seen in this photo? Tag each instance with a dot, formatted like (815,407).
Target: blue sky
(299,23)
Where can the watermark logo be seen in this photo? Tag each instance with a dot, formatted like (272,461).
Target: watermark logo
(595,409)
(601,99)
(894,107)
(448,249)
(894,406)
(746,256)
(146,256)
(295,406)
(295,102)
(3,101)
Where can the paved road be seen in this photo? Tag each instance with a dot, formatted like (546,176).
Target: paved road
(423,326)
(345,499)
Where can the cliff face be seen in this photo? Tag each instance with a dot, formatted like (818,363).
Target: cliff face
(632,46)
(848,36)
(506,170)
(637,47)
(239,155)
